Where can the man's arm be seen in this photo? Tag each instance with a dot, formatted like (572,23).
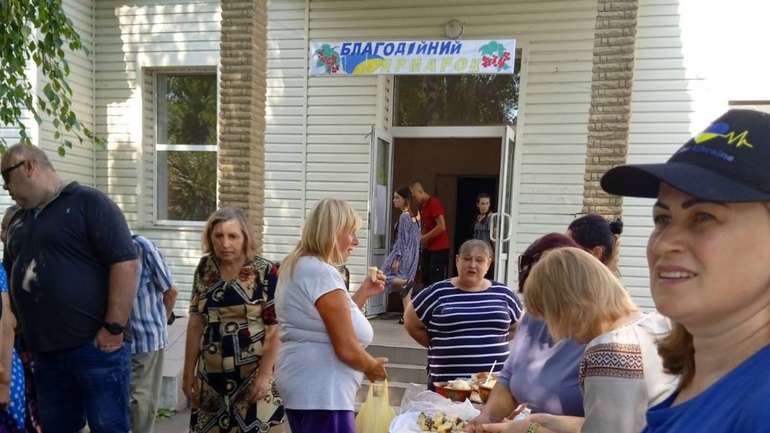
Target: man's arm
(440,228)
(120,300)
(169,299)
(122,291)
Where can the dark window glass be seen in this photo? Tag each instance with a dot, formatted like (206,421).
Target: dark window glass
(187,109)
(186,154)
(457,100)
(190,187)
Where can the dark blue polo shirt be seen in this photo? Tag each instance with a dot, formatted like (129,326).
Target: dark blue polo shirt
(58,262)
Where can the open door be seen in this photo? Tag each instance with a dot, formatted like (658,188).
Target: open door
(502,227)
(379,209)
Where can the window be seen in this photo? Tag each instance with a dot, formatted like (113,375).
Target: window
(457,100)
(186,149)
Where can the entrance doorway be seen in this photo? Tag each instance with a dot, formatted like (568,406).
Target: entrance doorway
(454,170)
(468,189)
(454,165)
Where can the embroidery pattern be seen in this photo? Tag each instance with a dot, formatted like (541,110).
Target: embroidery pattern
(622,361)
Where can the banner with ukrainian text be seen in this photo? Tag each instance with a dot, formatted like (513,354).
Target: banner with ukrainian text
(412,57)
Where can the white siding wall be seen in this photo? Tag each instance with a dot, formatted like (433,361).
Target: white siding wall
(557,37)
(78,164)
(133,39)
(679,88)
(285,136)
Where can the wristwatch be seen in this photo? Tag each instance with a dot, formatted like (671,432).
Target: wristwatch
(114,328)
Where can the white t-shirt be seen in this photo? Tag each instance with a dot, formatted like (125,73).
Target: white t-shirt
(309,375)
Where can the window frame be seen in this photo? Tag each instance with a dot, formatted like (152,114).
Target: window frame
(159,196)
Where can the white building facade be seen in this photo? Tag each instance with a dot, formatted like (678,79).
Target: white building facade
(322,134)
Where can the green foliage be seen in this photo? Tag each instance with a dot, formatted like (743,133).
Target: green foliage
(456,100)
(192,109)
(192,185)
(189,106)
(35,33)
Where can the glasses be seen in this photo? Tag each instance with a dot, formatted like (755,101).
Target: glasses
(5,173)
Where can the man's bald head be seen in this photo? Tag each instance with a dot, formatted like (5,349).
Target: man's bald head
(25,152)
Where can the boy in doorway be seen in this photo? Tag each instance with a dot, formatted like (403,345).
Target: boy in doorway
(435,241)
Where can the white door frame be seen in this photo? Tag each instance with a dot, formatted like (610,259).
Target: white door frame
(447,131)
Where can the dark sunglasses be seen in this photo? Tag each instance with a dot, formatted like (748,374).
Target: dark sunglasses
(5,173)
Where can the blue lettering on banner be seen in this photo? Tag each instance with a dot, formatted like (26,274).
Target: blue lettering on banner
(356,49)
(445,46)
(388,49)
(433,48)
(421,48)
(367,49)
(345,49)
(411,48)
(401,49)
(377,48)
(456,47)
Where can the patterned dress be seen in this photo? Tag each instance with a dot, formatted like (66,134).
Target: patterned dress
(235,314)
(12,418)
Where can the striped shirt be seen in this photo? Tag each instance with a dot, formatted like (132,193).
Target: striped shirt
(148,316)
(468,331)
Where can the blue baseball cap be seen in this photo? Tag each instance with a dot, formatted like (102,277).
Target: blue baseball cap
(728,162)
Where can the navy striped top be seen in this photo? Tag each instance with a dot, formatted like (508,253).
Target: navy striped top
(468,331)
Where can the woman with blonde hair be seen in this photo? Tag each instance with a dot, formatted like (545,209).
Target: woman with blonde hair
(621,374)
(322,329)
(231,333)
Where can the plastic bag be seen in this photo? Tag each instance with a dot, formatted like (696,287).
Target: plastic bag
(430,402)
(375,414)
(416,401)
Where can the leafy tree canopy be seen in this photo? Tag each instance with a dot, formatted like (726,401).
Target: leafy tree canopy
(38,31)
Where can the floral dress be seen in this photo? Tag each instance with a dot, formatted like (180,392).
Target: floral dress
(235,314)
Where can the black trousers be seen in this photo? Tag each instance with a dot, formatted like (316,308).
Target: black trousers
(434,266)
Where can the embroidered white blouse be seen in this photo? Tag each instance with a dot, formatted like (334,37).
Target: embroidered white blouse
(621,375)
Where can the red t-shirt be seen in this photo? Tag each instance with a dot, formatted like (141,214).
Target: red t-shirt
(429,213)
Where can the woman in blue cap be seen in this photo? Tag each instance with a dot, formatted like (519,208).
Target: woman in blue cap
(709,261)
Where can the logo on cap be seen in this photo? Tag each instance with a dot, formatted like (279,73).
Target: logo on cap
(722,129)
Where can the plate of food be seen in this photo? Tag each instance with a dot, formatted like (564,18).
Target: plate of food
(482,383)
(455,390)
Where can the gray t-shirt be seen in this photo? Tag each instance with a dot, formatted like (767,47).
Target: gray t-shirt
(309,375)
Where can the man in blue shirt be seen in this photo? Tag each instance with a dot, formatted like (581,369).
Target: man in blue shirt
(72,270)
(153,307)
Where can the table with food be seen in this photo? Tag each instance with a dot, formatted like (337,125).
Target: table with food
(448,409)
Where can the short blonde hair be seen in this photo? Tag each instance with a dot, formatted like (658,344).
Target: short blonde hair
(229,214)
(576,294)
(324,224)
